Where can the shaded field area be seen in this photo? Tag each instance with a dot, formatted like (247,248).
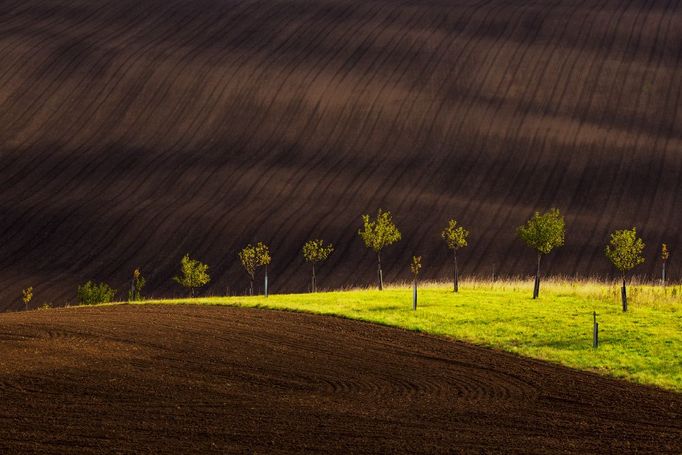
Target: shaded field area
(134,132)
(641,345)
(168,379)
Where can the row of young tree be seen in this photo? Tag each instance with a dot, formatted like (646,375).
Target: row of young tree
(543,232)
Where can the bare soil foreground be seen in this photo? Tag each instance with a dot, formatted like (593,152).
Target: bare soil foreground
(180,379)
(133,132)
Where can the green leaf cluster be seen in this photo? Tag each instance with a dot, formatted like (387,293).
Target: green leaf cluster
(93,293)
(380,232)
(27,295)
(316,250)
(254,256)
(625,250)
(193,273)
(544,232)
(416,266)
(455,236)
(135,293)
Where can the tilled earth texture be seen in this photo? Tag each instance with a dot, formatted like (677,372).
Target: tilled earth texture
(133,132)
(198,379)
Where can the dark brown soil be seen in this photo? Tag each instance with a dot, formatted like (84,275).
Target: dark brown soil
(133,132)
(181,379)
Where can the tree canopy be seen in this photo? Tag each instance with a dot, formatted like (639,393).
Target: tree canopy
(380,232)
(455,236)
(193,274)
(544,231)
(92,293)
(416,266)
(254,256)
(625,250)
(317,251)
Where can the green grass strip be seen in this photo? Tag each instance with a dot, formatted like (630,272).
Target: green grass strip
(643,345)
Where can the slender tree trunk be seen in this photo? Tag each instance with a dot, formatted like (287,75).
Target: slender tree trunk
(191,292)
(624,295)
(455,277)
(536,288)
(251,286)
(132,290)
(313,284)
(663,274)
(380,273)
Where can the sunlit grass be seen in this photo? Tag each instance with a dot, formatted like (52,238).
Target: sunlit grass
(642,345)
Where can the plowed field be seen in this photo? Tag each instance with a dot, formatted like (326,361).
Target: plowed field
(133,132)
(198,379)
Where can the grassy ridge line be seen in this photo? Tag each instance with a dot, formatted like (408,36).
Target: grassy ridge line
(642,345)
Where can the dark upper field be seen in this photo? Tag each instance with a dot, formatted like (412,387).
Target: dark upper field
(132,132)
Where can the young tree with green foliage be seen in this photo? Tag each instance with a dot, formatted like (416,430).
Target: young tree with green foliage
(378,234)
(315,251)
(665,254)
(247,256)
(625,253)
(27,296)
(193,274)
(264,259)
(415,268)
(253,257)
(92,293)
(136,285)
(543,232)
(456,238)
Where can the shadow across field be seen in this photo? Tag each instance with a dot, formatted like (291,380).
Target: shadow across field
(132,133)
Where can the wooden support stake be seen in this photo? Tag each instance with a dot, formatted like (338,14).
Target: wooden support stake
(414,296)
(595,334)
(266,285)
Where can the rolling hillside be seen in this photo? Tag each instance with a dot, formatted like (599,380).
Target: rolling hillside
(132,132)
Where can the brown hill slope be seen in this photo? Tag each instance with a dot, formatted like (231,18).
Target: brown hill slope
(197,379)
(134,132)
